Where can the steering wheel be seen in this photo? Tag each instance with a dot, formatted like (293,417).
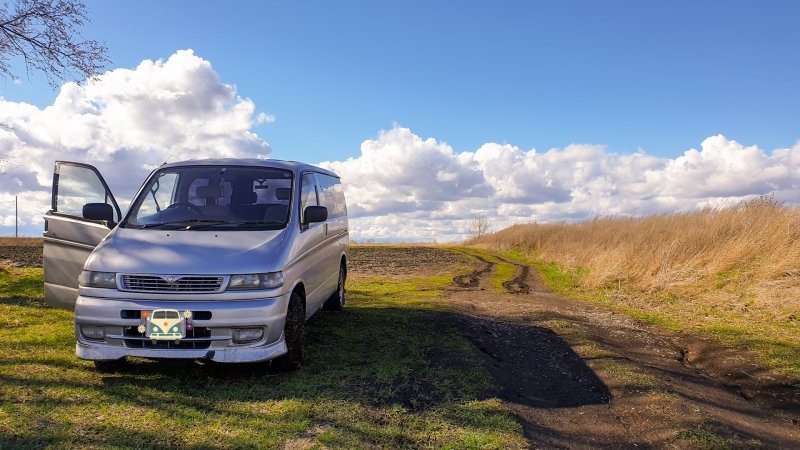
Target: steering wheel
(186,205)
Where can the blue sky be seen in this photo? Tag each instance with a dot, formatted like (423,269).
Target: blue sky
(660,76)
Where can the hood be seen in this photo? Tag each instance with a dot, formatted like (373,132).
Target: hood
(186,252)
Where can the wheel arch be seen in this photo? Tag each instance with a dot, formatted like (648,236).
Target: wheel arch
(300,289)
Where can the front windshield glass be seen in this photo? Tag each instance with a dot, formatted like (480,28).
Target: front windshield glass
(214,197)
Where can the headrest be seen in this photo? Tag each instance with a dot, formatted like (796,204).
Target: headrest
(209,191)
(283,193)
(243,197)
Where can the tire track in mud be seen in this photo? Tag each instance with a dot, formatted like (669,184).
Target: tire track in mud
(472,279)
(517,285)
(697,355)
(642,379)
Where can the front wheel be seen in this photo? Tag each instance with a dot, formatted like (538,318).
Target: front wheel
(336,301)
(294,334)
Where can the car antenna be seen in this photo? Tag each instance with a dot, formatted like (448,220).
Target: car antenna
(168,158)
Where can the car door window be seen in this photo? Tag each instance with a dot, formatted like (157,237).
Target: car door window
(308,193)
(76,186)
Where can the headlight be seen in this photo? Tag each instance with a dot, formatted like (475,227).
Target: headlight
(89,278)
(270,280)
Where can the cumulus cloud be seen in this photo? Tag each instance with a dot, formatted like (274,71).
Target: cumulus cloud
(125,122)
(409,188)
(401,186)
(400,172)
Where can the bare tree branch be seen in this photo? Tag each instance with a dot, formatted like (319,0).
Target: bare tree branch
(46,35)
(478,227)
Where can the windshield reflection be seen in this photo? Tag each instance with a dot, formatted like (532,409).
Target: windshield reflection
(213,197)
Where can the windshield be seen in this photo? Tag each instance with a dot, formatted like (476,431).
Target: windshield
(213,197)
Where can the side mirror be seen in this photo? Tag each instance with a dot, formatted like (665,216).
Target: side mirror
(98,211)
(314,214)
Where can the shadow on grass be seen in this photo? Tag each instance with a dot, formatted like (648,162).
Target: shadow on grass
(375,357)
(415,359)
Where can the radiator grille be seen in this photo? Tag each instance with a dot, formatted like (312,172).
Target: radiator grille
(159,283)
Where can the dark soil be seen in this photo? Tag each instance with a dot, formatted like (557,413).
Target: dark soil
(21,256)
(552,375)
(396,262)
(580,376)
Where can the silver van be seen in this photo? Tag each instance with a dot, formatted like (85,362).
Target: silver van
(219,259)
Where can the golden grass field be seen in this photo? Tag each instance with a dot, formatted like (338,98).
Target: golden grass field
(21,241)
(732,273)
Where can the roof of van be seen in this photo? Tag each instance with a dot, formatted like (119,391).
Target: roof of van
(273,163)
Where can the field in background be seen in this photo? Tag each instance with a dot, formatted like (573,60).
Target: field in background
(732,273)
(21,241)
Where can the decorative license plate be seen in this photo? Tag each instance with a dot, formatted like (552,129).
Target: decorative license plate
(164,324)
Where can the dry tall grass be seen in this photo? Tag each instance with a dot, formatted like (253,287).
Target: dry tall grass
(730,273)
(20,242)
(746,256)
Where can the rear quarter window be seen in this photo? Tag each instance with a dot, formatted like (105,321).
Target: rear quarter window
(332,196)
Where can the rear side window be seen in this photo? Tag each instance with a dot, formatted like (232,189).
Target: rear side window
(332,195)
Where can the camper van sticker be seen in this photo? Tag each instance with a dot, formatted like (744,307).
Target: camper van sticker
(164,324)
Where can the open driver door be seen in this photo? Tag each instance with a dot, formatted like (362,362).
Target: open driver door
(82,213)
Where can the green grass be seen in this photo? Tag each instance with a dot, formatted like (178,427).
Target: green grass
(385,373)
(705,437)
(776,343)
(503,273)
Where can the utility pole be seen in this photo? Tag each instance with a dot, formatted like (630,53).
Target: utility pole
(16,216)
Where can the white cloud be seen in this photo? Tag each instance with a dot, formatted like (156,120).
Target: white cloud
(401,186)
(408,188)
(126,122)
(265,118)
(400,172)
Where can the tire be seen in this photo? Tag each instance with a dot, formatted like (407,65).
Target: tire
(336,301)
(294,334)
(112,366)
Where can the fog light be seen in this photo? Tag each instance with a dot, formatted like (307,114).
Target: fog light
(241,335)
(96,333)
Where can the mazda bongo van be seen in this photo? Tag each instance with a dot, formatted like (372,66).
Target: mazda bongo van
(219,259)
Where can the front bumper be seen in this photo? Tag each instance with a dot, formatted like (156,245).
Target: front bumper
(215,329)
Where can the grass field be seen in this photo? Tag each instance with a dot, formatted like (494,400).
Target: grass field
(21,241)
(381,374)
(732,274)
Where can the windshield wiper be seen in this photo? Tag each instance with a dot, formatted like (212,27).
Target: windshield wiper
(192,224)
(257,223)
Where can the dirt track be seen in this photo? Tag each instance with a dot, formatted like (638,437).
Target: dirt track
(578,376)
